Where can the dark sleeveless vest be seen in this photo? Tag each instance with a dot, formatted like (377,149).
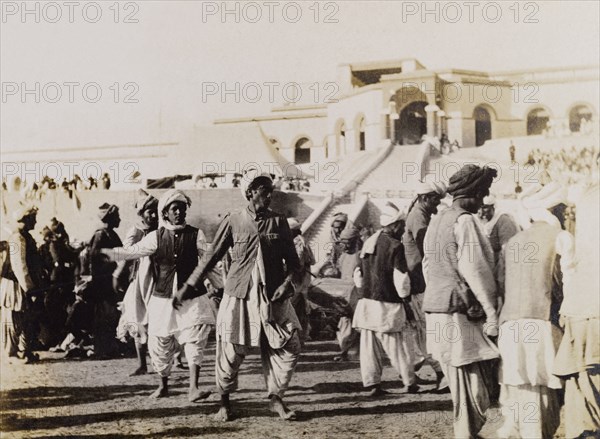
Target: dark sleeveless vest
(176,253)
(378,270)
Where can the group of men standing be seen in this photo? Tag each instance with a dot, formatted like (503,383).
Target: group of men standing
(498,312)
(433,286)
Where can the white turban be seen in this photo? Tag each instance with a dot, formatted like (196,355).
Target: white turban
(390,214)
(432,186)
(144,201)
(538,199)
(490,200)
(544,197)
(171,196)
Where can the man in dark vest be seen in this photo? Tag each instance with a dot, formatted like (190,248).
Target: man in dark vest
(176,248)
(380,314)
(460,296)
(256,310)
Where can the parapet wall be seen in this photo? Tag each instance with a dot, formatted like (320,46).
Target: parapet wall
(208,208)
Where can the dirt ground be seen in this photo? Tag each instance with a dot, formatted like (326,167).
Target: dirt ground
(85,398)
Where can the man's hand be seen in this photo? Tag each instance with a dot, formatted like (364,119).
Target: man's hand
(177,300)
(491,329)
(184,293)
(285,291)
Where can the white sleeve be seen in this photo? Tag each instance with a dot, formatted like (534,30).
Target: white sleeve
(357,277)
(565,247)
(146,247)
(400,283)
(475,261)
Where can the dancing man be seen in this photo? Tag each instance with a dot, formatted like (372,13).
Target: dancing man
(255,309)
(176,247)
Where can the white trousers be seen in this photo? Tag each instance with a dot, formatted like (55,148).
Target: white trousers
(398,347)
(278,364)
(163,349)
(529,412)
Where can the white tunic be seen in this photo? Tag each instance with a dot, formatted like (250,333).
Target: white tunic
(240,321)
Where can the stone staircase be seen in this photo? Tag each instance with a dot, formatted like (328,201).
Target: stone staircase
(331,175)
(396,176)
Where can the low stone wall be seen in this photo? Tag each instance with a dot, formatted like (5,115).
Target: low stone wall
(209,206)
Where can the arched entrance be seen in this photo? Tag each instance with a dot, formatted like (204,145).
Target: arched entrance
(407,115)
(483,125)
(578,116)
(537,121)
(302,150)
(412,123)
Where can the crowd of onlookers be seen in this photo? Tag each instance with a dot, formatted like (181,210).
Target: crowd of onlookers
(36,189)
(567,166)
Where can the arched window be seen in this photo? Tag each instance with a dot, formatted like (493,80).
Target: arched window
(302,150)
(360,126)
(579,114)
(537,121)
(483,125)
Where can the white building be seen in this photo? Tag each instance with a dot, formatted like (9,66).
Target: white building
(400,101)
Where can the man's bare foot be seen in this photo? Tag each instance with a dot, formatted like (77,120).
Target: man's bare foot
(413,388)
(223,415)
(377,391)
(197,395)
(341,357)
(276,405)
(139,371)
(161,392)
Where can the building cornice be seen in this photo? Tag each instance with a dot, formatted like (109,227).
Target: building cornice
(269,118)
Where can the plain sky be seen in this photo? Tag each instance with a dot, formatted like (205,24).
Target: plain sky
(177,49)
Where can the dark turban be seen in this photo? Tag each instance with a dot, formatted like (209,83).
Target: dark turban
(106,211)
(471,180)
(56,226)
